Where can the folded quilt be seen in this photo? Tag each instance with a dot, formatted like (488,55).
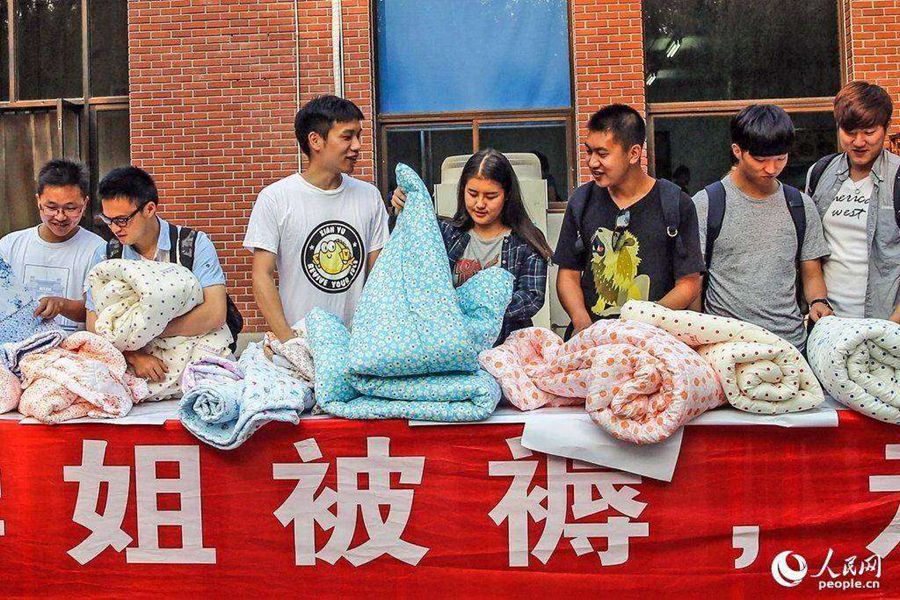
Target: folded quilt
(210,370)
(759,371)
(10,390)
(12,353)
(858,363)
(637,382)
(85,376)
(135,300)
(294,354)
(20,331)
(223,411)
(415,341)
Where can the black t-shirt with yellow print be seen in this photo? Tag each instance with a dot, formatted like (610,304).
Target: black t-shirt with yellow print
(637,262)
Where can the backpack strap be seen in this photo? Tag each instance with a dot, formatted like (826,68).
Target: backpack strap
(715,214)
(670,198)
(817,171)
(113,248)
(182,242)
(798,215)
(897,197)
(579,200)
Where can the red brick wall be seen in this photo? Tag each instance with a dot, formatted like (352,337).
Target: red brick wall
(873,48)
(608,59)
(212,101)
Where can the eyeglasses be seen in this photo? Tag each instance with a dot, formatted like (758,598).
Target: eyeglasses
(69,211)
(121,222)
(622,222)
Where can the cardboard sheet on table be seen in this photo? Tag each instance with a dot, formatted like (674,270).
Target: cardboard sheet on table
(578,437)
(148,413)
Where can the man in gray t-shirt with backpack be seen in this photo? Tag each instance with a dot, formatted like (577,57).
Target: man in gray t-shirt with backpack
(763,240)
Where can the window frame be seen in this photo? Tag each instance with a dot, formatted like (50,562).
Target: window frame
(85,105)
(719,108)
(384,122)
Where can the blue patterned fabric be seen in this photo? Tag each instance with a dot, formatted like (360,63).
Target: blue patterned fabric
(20,331)
(415,340)
(224,415)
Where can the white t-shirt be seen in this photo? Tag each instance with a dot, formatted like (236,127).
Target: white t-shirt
(51,269)
(321,238)
(847,269)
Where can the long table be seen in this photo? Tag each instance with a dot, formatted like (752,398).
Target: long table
(337,508)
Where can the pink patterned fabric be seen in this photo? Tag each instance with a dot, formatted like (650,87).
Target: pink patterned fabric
(637,382)
(84,377)
(10,390)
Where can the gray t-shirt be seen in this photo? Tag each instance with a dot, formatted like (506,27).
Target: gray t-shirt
(479,255)
(753,272)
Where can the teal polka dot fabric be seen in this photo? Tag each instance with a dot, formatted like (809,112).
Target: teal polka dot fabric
(415,339)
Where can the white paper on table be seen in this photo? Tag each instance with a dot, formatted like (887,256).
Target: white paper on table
(823,415)
(577,436)
(506,415)
(11,416)
(148,413)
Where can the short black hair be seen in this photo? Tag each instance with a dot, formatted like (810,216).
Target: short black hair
(129,182)
(625,123)
(320,114)
(763,130)
(61,172)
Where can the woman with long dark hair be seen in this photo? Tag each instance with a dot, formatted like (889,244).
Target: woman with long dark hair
(492,228)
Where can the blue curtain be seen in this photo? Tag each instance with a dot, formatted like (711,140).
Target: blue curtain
(454,55)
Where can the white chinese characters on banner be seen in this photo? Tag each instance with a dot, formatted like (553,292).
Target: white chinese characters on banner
(523,501)
(888,539)
(306,508)
(106,528)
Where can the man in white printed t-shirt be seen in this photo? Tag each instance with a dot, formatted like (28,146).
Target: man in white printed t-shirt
(321,229)
(53,259)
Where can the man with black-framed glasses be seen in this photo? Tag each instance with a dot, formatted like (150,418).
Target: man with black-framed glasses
(53,259)
(129,199)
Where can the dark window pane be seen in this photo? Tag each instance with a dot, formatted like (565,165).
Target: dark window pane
(703,146)
(112,147)
(735,49)
(4,53)
(28,139)
(546,140)
(48,48)
(424,149)
(108,21)
(436,55)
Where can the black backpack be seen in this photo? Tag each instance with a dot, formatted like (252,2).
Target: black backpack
(819,169)
(716,214)
(182,241)
(670,198)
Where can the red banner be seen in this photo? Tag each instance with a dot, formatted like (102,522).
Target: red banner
(344,508)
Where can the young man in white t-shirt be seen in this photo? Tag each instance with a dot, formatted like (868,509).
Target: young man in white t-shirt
(53,258)
(321,229)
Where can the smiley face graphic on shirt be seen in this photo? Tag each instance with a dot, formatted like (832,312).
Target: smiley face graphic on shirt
(332,256)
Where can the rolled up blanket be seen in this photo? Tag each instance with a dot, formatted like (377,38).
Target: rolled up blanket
(10,390)
(858,363)
(224,411)
(759,371)
(295,354)
(20,331)
(637,382)
(136,300)
(413,349)
(210,370)
(85,376)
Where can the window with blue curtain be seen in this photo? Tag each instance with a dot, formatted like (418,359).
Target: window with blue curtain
(472,55)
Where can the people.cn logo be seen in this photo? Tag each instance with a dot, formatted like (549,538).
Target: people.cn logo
(786,575)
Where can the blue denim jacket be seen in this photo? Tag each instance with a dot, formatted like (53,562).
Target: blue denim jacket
(883,286)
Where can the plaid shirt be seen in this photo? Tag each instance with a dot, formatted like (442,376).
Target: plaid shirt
(520,259)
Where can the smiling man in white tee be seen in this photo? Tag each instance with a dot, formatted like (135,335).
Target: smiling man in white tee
(53,259)
(321,229)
